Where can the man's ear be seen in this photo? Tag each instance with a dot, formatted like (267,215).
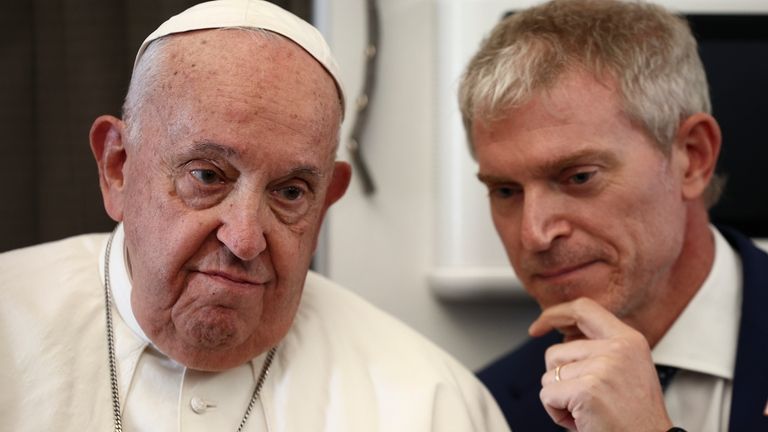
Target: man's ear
(108,147)
(342,173)
(698,145)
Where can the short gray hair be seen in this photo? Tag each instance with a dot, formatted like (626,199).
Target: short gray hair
(147,75)
(649,51)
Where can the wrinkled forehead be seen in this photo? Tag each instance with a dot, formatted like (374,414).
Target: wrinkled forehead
(251,74)
(239,89)
(227,49)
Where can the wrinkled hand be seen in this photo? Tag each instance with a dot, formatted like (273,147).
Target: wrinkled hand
(607,378)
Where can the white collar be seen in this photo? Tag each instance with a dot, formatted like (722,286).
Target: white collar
(120,281)
(704,336)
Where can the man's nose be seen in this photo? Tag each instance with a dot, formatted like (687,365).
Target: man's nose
(544,219)
(242,228)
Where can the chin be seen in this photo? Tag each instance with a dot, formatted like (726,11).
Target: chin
(213,335)
(205,347)
(548,296)
(217,359)
(554,295)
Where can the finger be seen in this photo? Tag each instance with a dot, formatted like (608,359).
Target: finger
(570,352)
(555,400)
(554,375)
(591,319)
(564,372)
(571,396)
(574,370)
(582,313)
(561,417)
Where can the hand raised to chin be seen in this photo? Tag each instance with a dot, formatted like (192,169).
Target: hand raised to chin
(602,378)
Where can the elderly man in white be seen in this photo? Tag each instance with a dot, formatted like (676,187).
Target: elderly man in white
(198,312)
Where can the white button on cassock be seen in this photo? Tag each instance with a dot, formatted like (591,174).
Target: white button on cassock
(198,405)
(216,401)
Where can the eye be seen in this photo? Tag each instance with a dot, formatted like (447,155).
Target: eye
(206,176)
(292,200)
(202,183)
(582,177)
(291,193)
(503,192)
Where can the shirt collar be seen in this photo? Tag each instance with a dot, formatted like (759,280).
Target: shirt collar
(129,344)
(704,336)
(120,281)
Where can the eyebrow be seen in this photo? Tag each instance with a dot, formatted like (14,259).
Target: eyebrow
(589,156)
(492,179)
(557,165)
(211,148)
(304,171)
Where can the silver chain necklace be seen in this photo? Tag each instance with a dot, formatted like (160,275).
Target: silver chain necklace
(113,363)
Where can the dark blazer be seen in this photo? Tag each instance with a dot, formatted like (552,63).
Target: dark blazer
(515,379)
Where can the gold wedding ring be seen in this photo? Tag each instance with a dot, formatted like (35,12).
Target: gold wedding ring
(557,374)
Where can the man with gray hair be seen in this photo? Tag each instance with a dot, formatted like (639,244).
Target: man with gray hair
(198,312)
(591,124)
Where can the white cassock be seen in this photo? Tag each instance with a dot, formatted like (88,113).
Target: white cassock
(343,366)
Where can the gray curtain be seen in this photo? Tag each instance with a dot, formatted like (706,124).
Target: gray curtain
(64,62)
